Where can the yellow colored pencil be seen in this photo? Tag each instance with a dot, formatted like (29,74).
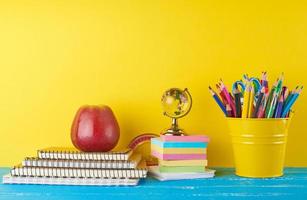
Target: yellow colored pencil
(246,99)
(251,102)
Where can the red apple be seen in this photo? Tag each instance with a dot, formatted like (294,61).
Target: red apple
(95,129)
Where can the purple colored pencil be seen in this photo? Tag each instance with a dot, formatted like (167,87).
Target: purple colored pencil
(279,107)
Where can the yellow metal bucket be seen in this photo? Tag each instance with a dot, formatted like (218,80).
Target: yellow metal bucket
(259,146)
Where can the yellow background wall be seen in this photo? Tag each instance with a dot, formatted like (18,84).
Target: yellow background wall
(58,55)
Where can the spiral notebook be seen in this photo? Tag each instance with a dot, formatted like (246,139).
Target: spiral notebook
(9,179)
(139,172)
(87,164)
(74,154)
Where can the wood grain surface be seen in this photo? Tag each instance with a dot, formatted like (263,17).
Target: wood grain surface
(293,185)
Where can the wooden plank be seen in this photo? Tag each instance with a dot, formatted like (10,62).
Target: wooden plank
(224,186)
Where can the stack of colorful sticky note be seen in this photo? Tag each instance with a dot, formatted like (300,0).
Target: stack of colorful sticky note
(180,157)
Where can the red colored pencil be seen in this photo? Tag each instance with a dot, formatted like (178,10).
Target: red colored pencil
(228,97)
(221,94)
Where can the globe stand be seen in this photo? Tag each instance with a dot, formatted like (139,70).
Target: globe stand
(174,129)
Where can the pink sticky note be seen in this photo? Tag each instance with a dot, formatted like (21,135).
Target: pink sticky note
(194,138)
(179,156)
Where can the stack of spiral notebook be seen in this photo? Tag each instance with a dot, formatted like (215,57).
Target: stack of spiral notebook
(62,166)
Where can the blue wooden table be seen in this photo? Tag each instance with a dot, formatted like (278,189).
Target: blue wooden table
(224,186)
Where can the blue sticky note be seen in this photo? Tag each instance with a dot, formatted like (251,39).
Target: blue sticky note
(169,144)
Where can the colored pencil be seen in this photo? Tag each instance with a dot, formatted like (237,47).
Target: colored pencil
(279,107)
(251,101)
(237,95)
(285,92)
(270,98)
(223,98)
(262,78)
(290,96)
(259,101)
(218,101)
(264,82)
(261,111)
(277,90)
(246,99)
(229,111)
(291,102)
(272,105)
(228,97)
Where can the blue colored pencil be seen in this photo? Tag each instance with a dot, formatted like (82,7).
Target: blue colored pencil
(218,101)
(294,97)
(289,98)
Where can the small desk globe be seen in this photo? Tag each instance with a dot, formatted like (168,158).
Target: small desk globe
(176,103)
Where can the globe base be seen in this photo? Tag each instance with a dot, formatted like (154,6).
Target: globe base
(174,130)
(174,133)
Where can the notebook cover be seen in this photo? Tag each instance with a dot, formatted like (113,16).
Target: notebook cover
(139,172)
(8,179)
(74,154)
(87,164)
